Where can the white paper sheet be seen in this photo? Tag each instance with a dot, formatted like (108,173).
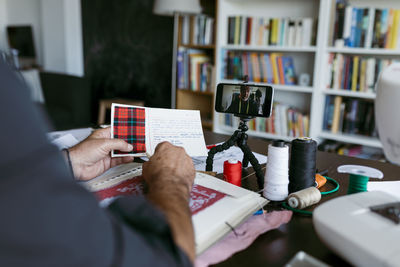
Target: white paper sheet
(390,187)
(66,139)
(179,127)
(219,158)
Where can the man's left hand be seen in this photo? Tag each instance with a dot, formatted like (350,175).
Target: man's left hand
(91,157)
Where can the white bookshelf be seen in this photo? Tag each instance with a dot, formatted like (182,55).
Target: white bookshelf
(365,51)
(279,87)
(352,138)
(348,93)
(309,59)
(259,48)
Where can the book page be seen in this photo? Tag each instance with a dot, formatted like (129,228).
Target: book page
(216,205)
(179,127)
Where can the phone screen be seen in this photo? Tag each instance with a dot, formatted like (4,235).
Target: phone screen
(244,99)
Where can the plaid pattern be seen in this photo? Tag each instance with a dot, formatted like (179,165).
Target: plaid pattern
(129,125)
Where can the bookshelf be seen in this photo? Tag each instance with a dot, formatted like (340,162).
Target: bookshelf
(294,97)
(195,60)
(312,59)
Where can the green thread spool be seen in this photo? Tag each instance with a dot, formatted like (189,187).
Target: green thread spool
(357,184)
(359,177)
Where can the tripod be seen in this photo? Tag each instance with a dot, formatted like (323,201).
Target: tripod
(240,138)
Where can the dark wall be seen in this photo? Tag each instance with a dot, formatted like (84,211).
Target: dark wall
(127,51)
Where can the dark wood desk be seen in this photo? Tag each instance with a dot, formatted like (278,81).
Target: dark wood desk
(277,247)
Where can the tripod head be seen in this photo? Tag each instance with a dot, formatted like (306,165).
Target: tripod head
(243,122)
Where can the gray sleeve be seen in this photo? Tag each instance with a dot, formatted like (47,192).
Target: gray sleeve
(48,219)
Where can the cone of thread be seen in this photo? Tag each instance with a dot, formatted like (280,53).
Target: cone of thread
(302,164)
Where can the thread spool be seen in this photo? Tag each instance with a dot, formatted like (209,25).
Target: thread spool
(276,175)
(359,177)
(233,172)
(302,164)
(304,198)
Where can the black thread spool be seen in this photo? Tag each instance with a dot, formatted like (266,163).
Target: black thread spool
(302,164)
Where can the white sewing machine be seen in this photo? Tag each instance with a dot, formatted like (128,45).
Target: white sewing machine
(363,228)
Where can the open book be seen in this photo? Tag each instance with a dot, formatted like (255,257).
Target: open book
(145,128)
(216,206)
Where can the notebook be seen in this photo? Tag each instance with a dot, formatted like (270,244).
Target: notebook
(217,206)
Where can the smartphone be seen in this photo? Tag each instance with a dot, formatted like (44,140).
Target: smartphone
(244,99)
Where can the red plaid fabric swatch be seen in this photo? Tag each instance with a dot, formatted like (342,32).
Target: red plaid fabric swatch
(129,125)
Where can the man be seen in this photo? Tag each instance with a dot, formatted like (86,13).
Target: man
(48,219)
(243,104)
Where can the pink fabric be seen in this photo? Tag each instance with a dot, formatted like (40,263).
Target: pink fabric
(247,233)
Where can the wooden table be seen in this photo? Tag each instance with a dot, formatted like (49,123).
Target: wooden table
(277,247)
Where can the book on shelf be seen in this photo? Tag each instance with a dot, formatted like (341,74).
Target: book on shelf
(366,27)
(284,121)
(354,73)
(270,68)
(248,30)
(217,207)
(349,115)
(194,70)
(196,29)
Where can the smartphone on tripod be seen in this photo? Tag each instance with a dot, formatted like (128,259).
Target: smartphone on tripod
(244,99)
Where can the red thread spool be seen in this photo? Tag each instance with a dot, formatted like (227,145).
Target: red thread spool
(233,172)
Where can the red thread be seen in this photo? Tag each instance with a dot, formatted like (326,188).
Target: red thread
(233,172)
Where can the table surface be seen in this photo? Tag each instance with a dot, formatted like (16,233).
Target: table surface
(277,247)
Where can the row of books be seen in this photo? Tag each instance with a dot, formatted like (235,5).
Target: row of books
(349,115)
(197,29)
(274,68)
(243,30)
(284,121)
(194,70)
(366,27)
(354,73)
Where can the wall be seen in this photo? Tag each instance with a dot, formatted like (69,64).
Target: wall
(128,50)
(57,29)
(62,36)
(54,38)
(3,22)
(24,12)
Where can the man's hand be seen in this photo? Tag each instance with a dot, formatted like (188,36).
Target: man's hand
(170,166)
(170,174)
(91,157)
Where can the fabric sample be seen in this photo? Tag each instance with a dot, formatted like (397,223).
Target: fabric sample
(129,125)
(242,237)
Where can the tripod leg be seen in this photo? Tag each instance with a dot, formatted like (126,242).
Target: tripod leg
(249,156)
(245,162)
(226,145)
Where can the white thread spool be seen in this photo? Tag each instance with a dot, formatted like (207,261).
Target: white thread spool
(304,198)
(276,179)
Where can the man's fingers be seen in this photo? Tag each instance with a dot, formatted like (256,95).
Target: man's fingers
(101,133)
(116,144)
(162,145)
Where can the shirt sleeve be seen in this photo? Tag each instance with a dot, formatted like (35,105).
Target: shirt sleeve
(48,219)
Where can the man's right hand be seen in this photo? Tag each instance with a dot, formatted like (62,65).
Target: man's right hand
(169,166)
(169,175)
